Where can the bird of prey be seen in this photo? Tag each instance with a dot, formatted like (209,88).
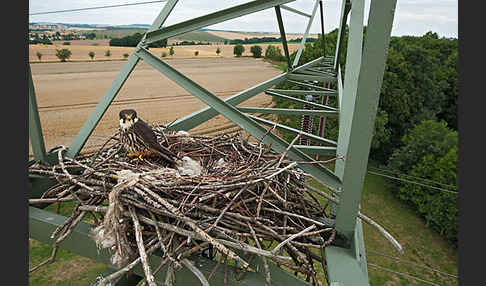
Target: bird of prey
(138,138)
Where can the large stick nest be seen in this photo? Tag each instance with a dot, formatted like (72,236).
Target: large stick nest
(227,196)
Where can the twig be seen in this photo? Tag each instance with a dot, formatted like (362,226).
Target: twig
(292,238)
(196,271)
(141,248)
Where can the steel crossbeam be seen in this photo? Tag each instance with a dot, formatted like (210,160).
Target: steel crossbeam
(329,92)
(295,11)
(296,131)
(297,100)
(289,111)
(304,38)
(35,130)
(213,18)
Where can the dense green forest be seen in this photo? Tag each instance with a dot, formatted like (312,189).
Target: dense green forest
(415,138)
(133,40)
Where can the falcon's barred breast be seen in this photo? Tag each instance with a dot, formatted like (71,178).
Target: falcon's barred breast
(138,138)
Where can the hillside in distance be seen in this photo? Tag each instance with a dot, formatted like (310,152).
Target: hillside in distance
(205,34)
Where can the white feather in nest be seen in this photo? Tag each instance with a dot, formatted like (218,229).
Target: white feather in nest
(189,167)
(98,235)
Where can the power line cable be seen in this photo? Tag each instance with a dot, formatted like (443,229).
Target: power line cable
(93,8)
(413,182)
(411,262)
(401,174)
(403,274)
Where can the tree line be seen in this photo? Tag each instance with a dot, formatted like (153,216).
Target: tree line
(133,40)
(260,40)
(415,132)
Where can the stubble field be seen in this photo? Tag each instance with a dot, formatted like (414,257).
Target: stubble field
(80,51)
(68,92)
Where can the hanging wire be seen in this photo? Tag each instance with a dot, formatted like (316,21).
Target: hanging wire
(93,8)
(413,182)
(403,274)
(412,263)
(404,175)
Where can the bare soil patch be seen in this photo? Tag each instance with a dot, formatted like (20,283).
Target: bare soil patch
(81,52)
(68,92)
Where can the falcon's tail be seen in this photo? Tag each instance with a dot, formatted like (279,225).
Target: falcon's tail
(168,155)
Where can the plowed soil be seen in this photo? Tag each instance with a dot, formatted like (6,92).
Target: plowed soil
(68,92)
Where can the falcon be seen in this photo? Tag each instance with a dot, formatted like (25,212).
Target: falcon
(138,138)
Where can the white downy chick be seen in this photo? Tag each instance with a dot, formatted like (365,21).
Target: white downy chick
(187,136)
(189,167)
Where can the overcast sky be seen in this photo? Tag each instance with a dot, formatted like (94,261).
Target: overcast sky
(412,17)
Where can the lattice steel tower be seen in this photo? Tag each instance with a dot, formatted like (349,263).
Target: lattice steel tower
(357,99)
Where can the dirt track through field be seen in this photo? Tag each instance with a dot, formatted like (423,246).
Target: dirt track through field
(68,92)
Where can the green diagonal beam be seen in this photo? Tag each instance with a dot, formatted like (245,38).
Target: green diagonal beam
(357,138)
(321,13)
(293,130)
(287,111)
(345,8)
(321,173)
(35,130)
(314,72)
(295,11)
(213,18)
(306,33)
(283,36)
(329,92)
(307,85)
(297,100)
(113,90)
(317,150)
(198,117)
(319,78)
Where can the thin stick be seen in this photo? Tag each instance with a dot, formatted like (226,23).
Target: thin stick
(141,247)
(268,280)
(368,220)
(291,165)
(385,233)
(51,200)
(196,271)
(287,150)
(292,238)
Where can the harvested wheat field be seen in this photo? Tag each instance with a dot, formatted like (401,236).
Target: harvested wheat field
(80,52)
(68,92)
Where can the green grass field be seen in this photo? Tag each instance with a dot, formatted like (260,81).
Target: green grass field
(199,36)
(421,245)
